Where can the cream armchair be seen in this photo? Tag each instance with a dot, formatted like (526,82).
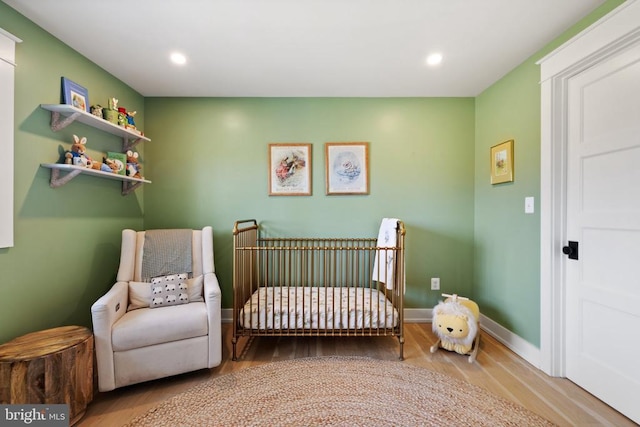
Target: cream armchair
(136,343)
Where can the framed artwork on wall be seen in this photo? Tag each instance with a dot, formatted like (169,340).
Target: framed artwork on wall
(290,169)
(347,168)
(502,162)
(75,95)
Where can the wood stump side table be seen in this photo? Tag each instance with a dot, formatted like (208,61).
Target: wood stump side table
(50,366)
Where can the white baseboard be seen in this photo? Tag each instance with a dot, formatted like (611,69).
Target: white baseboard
(418,315)
(513,342)
(227,315)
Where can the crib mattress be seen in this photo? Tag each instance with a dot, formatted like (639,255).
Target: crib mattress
(323,308)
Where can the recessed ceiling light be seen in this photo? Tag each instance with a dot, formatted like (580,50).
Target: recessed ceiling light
(178,58)
(434,59)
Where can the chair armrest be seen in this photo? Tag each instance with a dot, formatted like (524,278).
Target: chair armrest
(212,290)
(111,306)
(104,313)
(213,301)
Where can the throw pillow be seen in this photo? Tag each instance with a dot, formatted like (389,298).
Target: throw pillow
(140,292)
(169,290)
(194,286)
(139,295)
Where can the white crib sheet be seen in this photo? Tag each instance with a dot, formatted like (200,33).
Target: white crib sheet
(318,308)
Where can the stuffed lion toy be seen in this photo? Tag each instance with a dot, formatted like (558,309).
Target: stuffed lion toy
(455,322)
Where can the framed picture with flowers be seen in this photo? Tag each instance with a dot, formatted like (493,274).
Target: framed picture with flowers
(502,162)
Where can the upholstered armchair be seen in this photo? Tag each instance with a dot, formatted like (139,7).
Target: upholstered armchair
(162,316)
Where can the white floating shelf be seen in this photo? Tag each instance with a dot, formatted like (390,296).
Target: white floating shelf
(72,114)
(58,180)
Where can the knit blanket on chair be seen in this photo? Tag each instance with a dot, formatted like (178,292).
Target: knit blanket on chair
(166,252)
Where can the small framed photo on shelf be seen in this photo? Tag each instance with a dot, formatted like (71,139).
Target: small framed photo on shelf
(289,169)
(502,162)
(75,95)
(347,167)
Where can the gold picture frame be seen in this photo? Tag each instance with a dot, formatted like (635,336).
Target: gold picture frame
(502,162)
(347,168)
(290,169)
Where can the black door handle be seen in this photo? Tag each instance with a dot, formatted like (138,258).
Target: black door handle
(571,249)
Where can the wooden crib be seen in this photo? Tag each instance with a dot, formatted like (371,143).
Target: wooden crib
(316,286)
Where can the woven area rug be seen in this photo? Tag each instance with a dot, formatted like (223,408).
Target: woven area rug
(337,391)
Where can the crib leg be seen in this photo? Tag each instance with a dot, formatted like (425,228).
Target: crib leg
(401,341)
(234,342)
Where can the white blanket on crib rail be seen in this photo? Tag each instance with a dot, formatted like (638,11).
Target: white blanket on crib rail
(384,265)
(318,308)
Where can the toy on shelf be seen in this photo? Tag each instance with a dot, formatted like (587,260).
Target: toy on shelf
(100,166)
(133,167)
(131,124)
(120,160)
(96,110)
(456,323)
(77,155)
(122,116)
(109,165)
(110,113)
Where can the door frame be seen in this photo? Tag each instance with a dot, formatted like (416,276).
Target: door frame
(614,32)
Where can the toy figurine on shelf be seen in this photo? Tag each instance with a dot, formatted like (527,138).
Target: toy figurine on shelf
(122,116)
(111,112)
(76,156)
(109,165)
(130,122)
(133,167)
(96,110)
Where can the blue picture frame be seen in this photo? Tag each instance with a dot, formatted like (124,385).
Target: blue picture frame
(75,95)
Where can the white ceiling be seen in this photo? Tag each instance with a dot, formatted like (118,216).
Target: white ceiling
(290,48)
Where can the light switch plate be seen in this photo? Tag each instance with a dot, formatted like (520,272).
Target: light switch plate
(529,203)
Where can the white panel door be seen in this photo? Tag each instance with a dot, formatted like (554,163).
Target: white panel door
(603,216)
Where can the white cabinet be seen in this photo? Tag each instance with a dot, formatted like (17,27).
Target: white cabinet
(61,116)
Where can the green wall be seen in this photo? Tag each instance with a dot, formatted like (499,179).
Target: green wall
(67,239)
(208,164)
(506,282)
(207,161)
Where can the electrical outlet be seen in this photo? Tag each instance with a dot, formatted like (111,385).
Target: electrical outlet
(435,283)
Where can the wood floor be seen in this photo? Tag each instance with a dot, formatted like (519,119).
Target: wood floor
(497,369)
